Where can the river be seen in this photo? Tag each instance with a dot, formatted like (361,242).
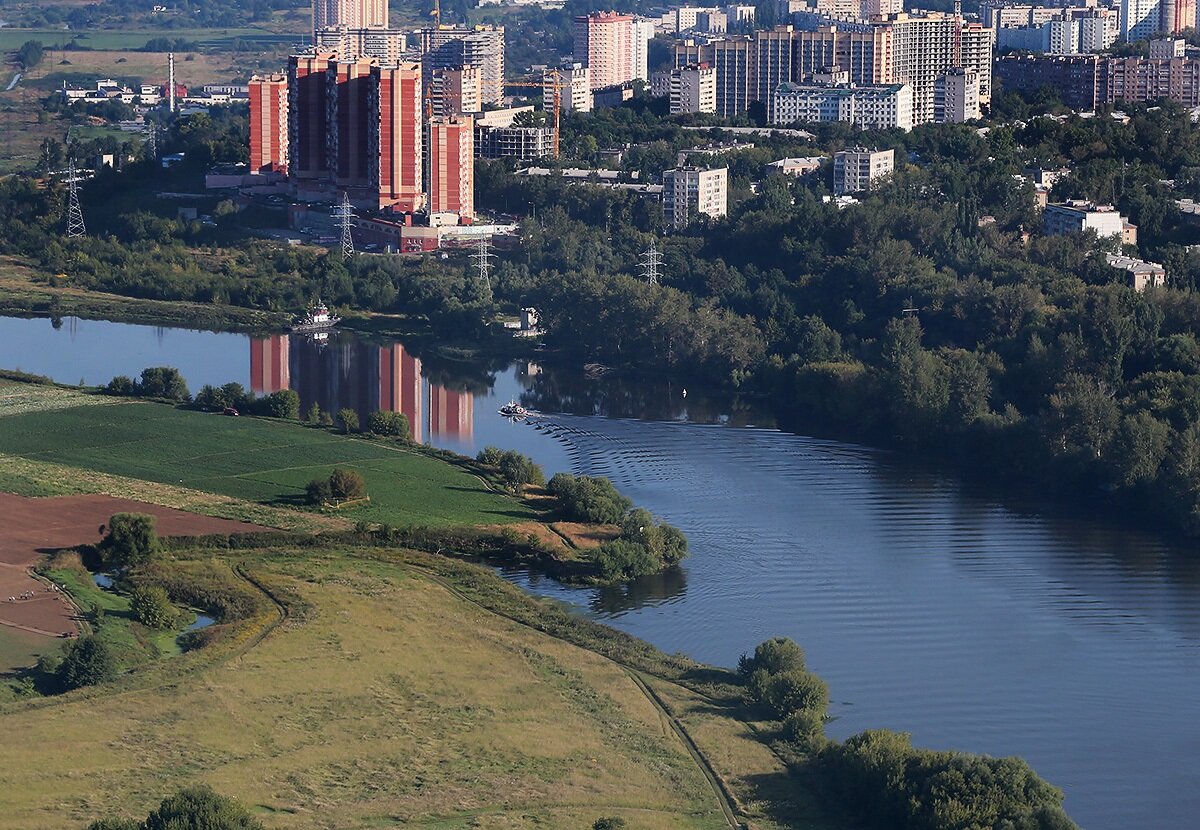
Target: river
(929,607)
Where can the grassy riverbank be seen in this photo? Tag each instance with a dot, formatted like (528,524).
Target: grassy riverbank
(25,292)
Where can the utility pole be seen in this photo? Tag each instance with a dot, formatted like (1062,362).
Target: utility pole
(75,226)
(344,214)
(171,81)
(152,141)
(483,257)
(650,263)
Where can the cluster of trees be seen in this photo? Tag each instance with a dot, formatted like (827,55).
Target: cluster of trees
(777,680)
(162,382)
(515,470)
(878,779)
(284,403)
(342,485)
(194,808)
(131,540)
(30,54)
(643,546)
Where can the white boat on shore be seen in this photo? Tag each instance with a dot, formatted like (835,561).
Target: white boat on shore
(316,318)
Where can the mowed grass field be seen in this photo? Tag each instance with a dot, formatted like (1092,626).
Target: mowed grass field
(383,700)
(267,462)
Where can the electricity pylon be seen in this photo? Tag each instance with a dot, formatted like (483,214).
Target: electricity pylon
(75,226)
(344,214)
(650,263)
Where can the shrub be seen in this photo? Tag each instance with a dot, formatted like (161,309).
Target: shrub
(773,656)
(121,385)
(609,823)
(152,607)
(131,540)
(795,689)
(348,418)
(86,662)
(282,404)
(394,424)
(805,726)
(621,559)
(163,382)
(588,499)
(347,484)
(519,471)
(199,808)
(318,491)
(490,456)
(314,414)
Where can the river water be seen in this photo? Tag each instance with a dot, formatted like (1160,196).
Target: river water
(928,607)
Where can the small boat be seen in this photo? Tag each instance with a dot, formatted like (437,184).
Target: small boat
(317,318)
(512,409)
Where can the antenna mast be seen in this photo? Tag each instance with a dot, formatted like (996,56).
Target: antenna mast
(650,263)
(171,81)
(344,214)
(75,226)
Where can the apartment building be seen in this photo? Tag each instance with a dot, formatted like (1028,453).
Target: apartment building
(956,96)
(388,45)
(869,107)
(269,124)
(693,89)
(1078,216)
(856,170)
(689,192)
(448,47)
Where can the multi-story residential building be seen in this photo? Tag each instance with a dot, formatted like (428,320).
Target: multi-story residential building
(269,124)
(604,43)
(1149,79)
(1139,19)
(693,89)
(731,58)
(1078,216)
(353,141)
(712,23)
(1167,48)
(643,33)
(1076,78)
(456,46)
(924,47)
(1070,32)
(956,96)
(689,192)
(574,83)
(456,90)
(452,167)
(388,45)
(351,14)
(525,143)
(307,122)
(869,107)
(865,55)
(396,109)
(1177,15)
(1141,274)
(773,54)
(856,170)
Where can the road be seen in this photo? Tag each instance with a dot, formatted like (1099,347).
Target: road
(16,79)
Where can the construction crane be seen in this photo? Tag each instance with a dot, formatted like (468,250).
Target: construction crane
(553,81)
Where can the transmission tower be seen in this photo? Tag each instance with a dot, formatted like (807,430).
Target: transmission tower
(483,257)
(152,141)
(75,226)
(651,261)
(344,214)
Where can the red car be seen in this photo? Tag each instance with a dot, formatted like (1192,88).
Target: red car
(229,410)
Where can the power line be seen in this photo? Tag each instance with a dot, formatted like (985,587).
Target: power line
(483,257)
(75,226)
(344,214)
(650,263)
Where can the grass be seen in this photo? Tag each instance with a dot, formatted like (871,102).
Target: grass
(254,460)
(21,648)
(124,39)
(390,700)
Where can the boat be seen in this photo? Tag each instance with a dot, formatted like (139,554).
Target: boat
(317,318)
(512,409)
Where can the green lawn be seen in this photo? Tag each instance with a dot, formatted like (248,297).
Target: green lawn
(257,460)
(112,39)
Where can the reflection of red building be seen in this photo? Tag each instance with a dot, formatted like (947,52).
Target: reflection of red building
(269,364)
(400,386)
(451,414)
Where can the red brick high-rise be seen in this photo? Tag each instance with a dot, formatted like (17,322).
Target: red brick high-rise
(308,127)
(452,166)
(354,139)
(268,124)
(399,118)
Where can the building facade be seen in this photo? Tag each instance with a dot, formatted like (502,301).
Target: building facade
(574,82)
(693,89)
(452,167)
(268,124)
(456,90)
(856,170)
(956,96)
(689,192)
(869,107)
(451,47)
(1080,216)
(604,43)
(388,45)
(350,14)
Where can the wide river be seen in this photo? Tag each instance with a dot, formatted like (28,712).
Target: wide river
(930,608)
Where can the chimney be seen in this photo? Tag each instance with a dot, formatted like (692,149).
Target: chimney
(171,81)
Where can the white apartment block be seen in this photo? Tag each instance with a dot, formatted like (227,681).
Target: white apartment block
(1139,19)
(452,46)
(693,89)
(689,192)
(1078,216)
(869,107)
(856,170)
(388,45)
(1167,48)
(643,33)
(923,47)
(956,96)
(575,88)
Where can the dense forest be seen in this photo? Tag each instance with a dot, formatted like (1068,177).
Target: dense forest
(933,314)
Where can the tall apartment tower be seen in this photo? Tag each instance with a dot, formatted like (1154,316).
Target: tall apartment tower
(269,124)
(308,126)
(1177,15)
(388,45)
(452,167)
(956,96)
(604,43)
(353,143)
(456,90)
(693,89)
(458,46)
(352,14)
(1140,19)
(643,33)
(575,88)
(397,91)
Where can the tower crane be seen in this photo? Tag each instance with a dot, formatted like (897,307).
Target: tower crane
(552,81)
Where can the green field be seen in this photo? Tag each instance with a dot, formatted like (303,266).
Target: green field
(262,461)
(118,39)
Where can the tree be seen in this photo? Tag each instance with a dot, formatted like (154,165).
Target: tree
(394,424)
(86,662)
(348,418)
(318,491)
(163,382)
(131,540)
(776,655)
(152,607)
(121,385)
(282,404)
(313,416)
(115,824)
(347,484)
(199,808)
(30,54)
